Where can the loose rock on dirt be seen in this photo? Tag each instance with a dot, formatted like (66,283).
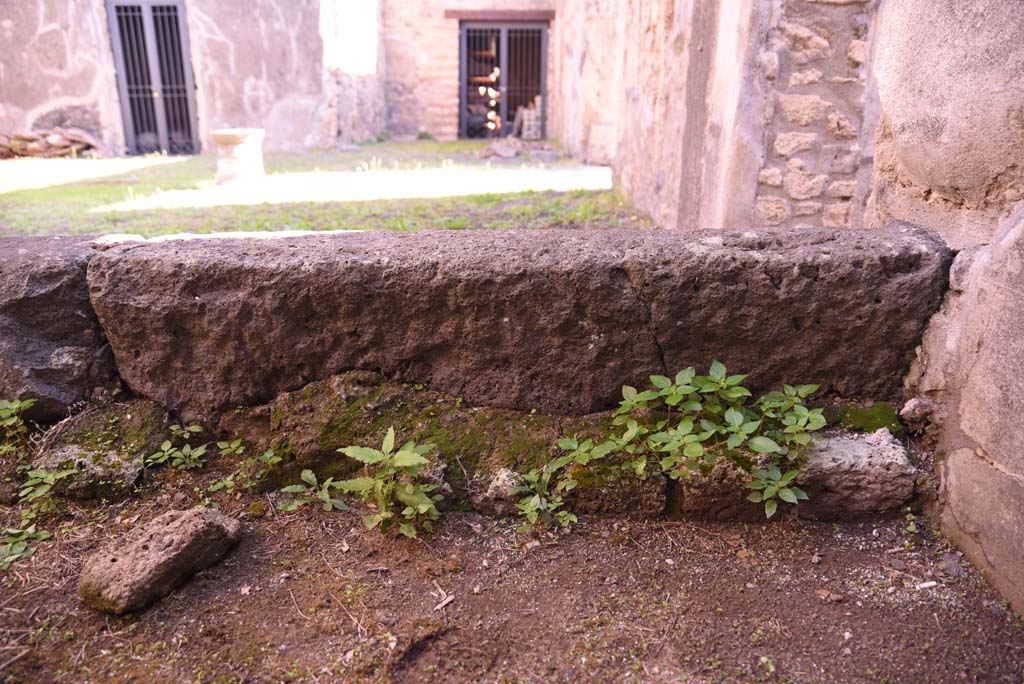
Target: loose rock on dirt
(849,474)
(156,558)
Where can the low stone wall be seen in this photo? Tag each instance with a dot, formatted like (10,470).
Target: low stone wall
(553,320)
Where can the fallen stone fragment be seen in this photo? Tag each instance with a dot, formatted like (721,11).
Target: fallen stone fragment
(848,474)
(916,412)
(98,474)
(105,444)
(156,558)
(499,498)
(51,346)
(553,320)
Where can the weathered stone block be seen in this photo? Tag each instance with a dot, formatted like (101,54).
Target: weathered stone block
(770,176)
(971,367)
(788,144)
(840,127)
(156,558)
(51,346)
(772,210)
(849,474)
(803,109)
(556,320)
(106,444)
(836,215)
(802,186)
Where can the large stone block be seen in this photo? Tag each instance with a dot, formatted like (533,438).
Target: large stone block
(950,78)
(51,346)
(554,320)
(972,366)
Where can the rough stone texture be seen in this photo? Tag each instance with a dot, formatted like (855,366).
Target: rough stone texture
(916,412)
(802,186)
(971,366)
(155,558)
(51,346)
(788,144)
(950,81)
(720,494)
(106,444)
(554,320)
(100,474)
(848,475)
(497,496)
(615,491)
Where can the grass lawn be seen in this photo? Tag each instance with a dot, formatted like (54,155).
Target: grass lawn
(70,208)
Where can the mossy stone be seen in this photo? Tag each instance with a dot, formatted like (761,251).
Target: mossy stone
(866,418)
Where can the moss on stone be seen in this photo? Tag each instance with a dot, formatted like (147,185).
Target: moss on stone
(358,408)
(865,418)
(106,443)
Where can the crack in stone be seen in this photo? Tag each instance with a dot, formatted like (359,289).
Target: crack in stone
(650,319)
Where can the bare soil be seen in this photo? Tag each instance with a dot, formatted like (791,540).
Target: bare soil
(311,596)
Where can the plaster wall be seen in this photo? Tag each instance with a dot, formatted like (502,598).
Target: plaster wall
(259,63)
(57,68)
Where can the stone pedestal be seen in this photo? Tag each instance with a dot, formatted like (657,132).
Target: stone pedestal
(239,154)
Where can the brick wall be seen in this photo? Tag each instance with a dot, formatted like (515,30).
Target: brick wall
(421,53)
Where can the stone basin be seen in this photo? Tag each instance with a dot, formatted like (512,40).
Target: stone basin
(239,154)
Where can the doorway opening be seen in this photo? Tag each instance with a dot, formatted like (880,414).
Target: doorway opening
(154,75)
(503,80)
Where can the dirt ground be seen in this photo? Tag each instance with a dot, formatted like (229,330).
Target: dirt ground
(310,596)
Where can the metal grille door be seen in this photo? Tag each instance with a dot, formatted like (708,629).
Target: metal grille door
(503,78)
(154,75)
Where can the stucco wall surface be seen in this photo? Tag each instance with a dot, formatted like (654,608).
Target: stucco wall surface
(950,151)
(57,69)
(259,63)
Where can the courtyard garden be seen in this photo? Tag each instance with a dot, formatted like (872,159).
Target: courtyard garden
(88,203)
(415,455)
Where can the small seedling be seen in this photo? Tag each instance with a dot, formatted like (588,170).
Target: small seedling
(231,448)
(39,484)
(393,483)
(543,490)
(771,485)
(183,458)
(688,422)
(17,544)
(12,426)
(185,432)
(311,490)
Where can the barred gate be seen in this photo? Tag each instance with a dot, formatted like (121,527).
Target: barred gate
(154,75)
(503,78)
